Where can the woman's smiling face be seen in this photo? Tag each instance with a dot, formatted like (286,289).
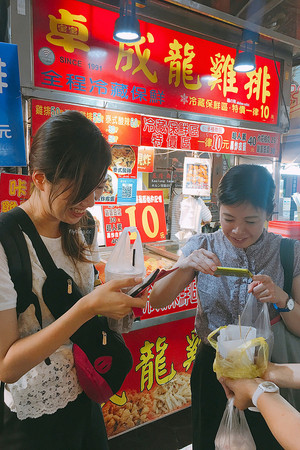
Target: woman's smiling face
(59,209)
(242,224)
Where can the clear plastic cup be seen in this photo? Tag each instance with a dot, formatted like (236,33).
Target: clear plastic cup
(123,325)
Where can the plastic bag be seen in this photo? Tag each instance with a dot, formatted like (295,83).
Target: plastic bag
(242,351)
(256,314)
(126,260)
(234,432)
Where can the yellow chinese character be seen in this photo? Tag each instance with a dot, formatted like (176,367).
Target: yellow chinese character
(208,142)
(191,349)
(47,110)
(119,400)
(39,110)
(258,84)
(224,106)
(68,32)
(160,363)
(147,160)
(182,67)
(7,205)
(142,57)
(140,159)
(17,187)
(201,102)
(223,74)
(146,365)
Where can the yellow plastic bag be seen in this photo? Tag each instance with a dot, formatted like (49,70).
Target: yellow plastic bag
(248,360)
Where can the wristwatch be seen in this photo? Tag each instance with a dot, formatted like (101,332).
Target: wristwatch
(265,386)
(290,305)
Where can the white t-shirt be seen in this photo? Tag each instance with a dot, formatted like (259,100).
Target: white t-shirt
(45,388)
(192,213)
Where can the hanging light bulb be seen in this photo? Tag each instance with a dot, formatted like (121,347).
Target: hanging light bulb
(245,52)
(127,27)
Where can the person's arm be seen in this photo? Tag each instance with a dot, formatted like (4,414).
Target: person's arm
(19,355)
(167,289)
(284,375)
(282,419)
(265,290)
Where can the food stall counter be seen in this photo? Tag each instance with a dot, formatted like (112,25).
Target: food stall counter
(163,345)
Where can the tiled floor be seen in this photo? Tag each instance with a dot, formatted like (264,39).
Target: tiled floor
(170,433)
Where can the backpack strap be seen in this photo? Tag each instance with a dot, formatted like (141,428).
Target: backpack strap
(19,264)
(26,224)
(287,262)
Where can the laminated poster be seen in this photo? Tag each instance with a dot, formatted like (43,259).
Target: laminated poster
(196,177)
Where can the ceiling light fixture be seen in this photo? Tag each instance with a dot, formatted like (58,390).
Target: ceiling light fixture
(245,52)
(127,27)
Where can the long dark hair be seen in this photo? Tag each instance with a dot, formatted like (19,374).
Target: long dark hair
(248,183)
(71,147)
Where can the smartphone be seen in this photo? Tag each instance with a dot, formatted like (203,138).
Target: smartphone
(233,272)
(136,290)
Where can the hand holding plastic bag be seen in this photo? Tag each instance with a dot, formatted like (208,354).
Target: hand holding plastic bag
(242,351)
(126,260)
(234,432)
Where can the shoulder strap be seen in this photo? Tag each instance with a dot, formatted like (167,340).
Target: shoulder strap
(28,227)
(19,264)
(287,262)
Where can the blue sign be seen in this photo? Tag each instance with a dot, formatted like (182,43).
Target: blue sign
(126,191)
(12,143)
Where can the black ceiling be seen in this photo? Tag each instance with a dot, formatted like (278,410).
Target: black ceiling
(282,16)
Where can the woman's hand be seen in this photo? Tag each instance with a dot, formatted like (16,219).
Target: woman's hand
(201,261)
(108,299)
(241,389)
(265,290)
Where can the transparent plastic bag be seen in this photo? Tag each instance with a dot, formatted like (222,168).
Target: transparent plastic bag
(256,314)
(242,351)
(126,260)
(234,432)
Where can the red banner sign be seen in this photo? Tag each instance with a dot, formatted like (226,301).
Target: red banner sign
(159,381)
(14,190)
(179,134)
(117,127)
(74,51)
(148,215)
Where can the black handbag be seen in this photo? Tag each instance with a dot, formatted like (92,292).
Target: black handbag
(101,357)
